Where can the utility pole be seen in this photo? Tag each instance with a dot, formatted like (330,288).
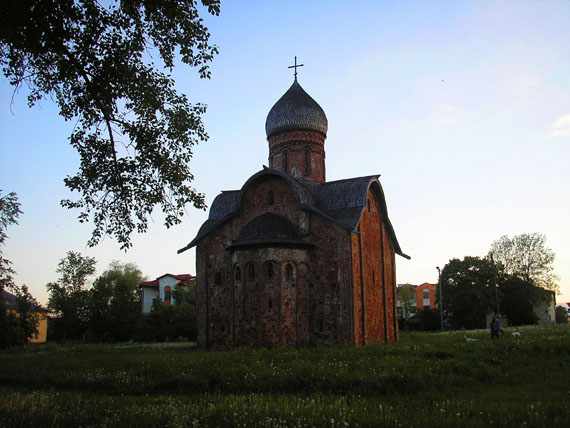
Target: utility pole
(440,296)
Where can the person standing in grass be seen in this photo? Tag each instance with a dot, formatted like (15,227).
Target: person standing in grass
(498,326)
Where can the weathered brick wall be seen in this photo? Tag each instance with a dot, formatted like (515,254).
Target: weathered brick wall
(321,299)
(373,276)
(390,287)
(330,283)
(299,145)
(357,308)
(312,305)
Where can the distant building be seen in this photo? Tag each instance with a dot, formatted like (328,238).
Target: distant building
(424,297)
(162,288)
(545,310)
(11,304)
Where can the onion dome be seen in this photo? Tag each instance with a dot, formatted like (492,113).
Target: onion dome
(296,111)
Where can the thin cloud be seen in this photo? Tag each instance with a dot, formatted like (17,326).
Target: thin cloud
(560,128)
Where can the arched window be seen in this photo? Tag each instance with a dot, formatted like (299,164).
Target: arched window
(251,272)
(307,163)
(218,278)
(285,161)
(269,270)
(238,274)
(270,198)
(289,272)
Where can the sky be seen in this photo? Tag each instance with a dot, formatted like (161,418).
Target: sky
(462,107)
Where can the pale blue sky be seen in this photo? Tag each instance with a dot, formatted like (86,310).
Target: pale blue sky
(462,107)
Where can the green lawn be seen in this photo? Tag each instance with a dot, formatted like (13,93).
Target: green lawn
(427,380)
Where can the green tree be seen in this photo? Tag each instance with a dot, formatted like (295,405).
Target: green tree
(9,213)
(185,293)
(27,307)
(13,329)
(114,303)
(69,297)
(134,132)
(561,315)
(21,322)
(407,298)
(468,292)
(171,322)
(185,317)
(527,257)
(518,300)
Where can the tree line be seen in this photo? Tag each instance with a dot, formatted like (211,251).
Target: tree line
(511,280)
(108,310)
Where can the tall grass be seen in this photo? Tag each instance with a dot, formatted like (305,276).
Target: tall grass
(438,380)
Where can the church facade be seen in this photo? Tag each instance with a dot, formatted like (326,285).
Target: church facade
(291,259)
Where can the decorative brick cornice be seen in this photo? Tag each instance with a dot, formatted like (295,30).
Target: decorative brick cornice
(297,136)
(297,146)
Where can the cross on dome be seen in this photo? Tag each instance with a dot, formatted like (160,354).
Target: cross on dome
(295,67)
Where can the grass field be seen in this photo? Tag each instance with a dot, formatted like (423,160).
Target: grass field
(427,380)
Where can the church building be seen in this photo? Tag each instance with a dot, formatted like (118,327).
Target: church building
(291,259)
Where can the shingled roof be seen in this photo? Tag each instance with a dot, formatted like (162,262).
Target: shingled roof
(296,110)
(341,202)
(269,228)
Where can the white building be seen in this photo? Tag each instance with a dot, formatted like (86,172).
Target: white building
(162,288)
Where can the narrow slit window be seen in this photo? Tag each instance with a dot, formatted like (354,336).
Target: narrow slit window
(270,200)
(285,162)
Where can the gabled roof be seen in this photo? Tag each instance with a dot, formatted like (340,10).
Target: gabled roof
(183,279)
(340,202)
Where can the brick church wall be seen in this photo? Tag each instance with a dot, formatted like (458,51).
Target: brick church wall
(330,283)
(305,155)
(373,278)
(313,306)
(320,299)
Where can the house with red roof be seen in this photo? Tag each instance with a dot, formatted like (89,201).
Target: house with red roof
(162,288)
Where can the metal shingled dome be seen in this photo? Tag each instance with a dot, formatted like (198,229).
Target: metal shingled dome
(294,111)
